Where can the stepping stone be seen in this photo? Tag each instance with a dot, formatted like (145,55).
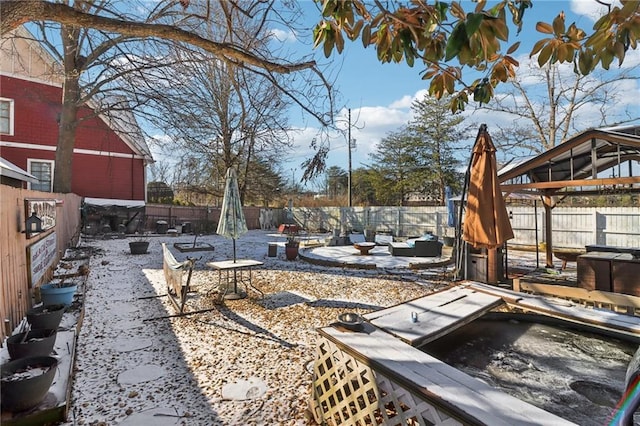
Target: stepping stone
(155,416)
(141,374)
(129,344)
(244,389)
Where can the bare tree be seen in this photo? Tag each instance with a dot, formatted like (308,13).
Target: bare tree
(94,30)
(217,114)
(552,103)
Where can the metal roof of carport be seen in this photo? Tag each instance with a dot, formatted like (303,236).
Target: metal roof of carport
(575,168)
(578,163)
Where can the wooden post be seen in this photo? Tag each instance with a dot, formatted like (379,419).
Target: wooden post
(516,284)
(546,200)
(492,266)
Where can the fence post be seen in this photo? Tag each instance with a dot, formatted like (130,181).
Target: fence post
(601,226)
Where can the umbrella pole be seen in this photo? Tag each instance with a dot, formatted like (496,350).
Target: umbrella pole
(235,276)
(459,245)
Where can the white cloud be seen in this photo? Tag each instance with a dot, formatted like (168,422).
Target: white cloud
(369,124)
(590,8)
(283,36)
(404,102)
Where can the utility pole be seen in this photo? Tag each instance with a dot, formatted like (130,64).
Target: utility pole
(349,144)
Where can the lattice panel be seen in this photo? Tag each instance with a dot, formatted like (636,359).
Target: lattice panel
(347,392)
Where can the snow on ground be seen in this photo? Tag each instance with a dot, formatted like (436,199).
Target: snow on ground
(135,366)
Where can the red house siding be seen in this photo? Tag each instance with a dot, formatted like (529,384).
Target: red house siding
(98,173)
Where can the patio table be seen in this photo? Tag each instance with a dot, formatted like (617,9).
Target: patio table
(230,273)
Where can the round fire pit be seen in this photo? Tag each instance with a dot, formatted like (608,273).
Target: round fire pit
(364,247)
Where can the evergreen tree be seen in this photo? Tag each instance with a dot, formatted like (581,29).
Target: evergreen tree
(364,192)
(421,158)
(397,166)
(440,134)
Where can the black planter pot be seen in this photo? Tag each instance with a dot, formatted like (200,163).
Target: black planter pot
(36,343)
(25,382)
(369,236)
(45,317)
(138,247)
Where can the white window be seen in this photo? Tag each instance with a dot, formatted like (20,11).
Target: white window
(43,170)
(6,116)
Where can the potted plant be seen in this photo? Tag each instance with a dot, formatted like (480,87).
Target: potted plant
(139,245)
(26,381)
(291,246)
(57,292)
(37,342)
(45,317)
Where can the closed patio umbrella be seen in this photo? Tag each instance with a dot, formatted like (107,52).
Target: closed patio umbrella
(232,223)
(486,221)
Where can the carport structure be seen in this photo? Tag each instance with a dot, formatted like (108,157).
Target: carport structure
(595,162)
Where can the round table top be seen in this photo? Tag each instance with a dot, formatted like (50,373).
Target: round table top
(367,244)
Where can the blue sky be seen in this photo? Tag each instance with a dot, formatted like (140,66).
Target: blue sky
(380,95)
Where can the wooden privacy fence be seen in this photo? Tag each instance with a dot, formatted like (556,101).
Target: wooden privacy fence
(15,247)
(201,219)
(573,227)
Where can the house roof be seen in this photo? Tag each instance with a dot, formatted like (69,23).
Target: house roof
(10,170)
(588,163)
(121,120)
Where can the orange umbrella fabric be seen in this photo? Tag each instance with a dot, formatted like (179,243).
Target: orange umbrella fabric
(486,221)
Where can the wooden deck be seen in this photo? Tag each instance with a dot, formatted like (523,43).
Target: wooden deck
(437,314)
(382,360)
(566,310)
(467,400)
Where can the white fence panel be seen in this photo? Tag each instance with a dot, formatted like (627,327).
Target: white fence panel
(573,227)
(619,227)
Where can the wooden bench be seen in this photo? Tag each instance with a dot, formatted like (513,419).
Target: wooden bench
(174,274)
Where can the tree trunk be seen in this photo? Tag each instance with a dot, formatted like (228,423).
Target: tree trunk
(66,138)
(68,117)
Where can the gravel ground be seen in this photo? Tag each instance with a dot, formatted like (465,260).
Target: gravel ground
(136,365)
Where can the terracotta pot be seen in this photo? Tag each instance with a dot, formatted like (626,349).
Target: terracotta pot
(26,381)
(291,252)
(35,343)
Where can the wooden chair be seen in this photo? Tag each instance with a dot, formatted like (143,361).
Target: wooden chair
(174,272)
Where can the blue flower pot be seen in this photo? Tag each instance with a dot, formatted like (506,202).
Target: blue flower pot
(53,294)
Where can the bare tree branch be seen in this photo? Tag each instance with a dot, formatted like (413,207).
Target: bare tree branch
(18,12)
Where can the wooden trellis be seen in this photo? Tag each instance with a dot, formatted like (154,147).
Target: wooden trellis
(348,392)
